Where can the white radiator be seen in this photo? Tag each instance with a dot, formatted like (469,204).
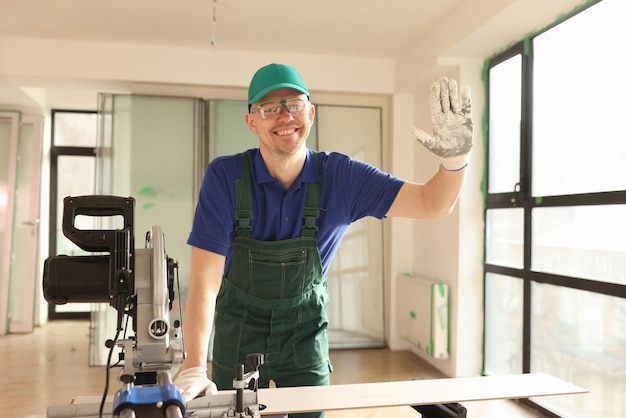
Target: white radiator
(422,311)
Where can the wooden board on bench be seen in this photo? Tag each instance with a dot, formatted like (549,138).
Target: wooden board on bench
(280,401)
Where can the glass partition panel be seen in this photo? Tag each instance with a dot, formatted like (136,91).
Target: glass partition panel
(581,241)
(153,157)
(355,277)
(8,141)
(9,128)
(579,337)
(104,149)
(228,132)
(24,274)
(153,139)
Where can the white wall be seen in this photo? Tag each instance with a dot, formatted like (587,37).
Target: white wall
(450,249)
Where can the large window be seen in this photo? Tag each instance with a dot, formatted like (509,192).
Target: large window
(555,247)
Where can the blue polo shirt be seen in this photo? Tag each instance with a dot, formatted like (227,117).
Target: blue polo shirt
(351,190)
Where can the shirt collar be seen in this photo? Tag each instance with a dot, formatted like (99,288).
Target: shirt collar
(310,172)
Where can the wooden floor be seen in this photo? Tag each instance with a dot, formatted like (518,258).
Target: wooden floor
(49,366)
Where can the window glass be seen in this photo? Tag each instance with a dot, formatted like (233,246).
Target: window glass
(505,91)
(578,103)
(71,184)
(503,324)
(505,237)
(581,241)
(75,177)
(75,129)
(580,336)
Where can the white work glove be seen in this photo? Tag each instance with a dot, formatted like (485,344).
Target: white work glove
(193,381)
(453,130)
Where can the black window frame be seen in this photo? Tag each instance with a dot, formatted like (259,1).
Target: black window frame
(522,197)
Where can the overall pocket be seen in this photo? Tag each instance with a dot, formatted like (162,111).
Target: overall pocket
(310,336)
(277,274)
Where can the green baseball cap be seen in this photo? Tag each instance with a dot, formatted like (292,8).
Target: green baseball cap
(273,77)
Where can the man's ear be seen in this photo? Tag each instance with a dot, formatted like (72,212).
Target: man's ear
(251,122)
(312,114)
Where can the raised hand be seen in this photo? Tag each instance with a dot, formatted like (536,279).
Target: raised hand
(453,129)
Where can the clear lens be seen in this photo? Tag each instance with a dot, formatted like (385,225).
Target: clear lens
(271,109)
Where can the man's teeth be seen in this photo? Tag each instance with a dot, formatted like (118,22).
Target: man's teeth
(286,131)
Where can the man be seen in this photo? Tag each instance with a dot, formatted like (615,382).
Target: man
(269,220)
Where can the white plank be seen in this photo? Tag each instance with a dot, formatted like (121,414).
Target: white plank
(279,401)
(416,392)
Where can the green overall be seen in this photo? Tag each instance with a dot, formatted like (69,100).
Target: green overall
(273,301)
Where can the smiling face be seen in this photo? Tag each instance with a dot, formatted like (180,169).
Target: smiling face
(285,134)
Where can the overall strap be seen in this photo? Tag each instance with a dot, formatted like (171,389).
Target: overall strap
(243,211)
(312,205)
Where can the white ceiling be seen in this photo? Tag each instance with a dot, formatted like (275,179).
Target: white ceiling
(372,28)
